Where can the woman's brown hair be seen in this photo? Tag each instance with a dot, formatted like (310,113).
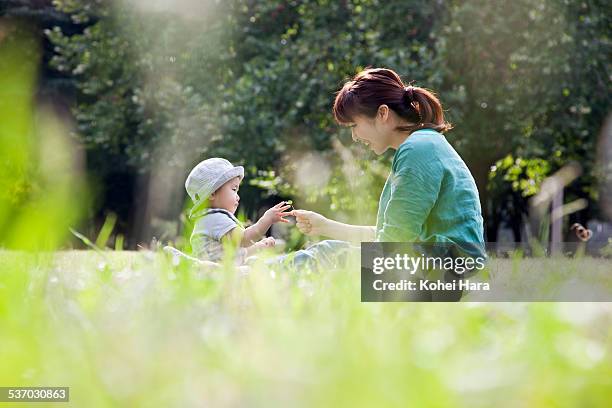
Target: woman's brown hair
(380,86)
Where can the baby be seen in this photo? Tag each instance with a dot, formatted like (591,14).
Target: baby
(213,187)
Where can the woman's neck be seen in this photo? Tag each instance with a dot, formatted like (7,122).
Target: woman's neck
(398,137)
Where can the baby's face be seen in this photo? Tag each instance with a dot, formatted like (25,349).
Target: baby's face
(226,196)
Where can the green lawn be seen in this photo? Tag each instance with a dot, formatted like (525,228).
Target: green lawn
(131,329)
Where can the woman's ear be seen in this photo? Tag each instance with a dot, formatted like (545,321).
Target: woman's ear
(383,112)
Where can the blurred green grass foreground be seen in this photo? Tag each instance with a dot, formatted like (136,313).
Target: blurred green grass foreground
(134,329)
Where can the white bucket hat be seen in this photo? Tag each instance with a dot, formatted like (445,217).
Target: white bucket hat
(208,176)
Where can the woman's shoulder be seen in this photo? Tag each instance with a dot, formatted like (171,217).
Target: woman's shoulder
(426,144)
(421,140)
(420,149)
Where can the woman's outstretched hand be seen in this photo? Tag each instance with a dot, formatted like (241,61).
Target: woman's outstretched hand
(310,222)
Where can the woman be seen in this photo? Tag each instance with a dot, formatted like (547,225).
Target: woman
(430,195)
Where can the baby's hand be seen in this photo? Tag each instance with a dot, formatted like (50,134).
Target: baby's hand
(260,246)
(277,213)
(267,242)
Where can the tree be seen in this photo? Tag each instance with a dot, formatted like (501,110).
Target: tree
(136,108)
(254,86)
(253,81)
(293,58)
(525,77)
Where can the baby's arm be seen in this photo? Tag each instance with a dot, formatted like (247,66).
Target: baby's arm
(260,245)
(237,235)
(256,231)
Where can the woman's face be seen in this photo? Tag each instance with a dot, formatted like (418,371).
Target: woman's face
(372,132)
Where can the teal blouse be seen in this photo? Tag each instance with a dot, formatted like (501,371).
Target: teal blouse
(430,196)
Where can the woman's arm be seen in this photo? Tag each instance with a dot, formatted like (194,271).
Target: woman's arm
(348,232)
(312,223)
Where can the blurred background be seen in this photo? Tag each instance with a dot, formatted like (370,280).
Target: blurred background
(123,98)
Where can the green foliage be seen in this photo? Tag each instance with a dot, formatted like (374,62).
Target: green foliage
(254,82)
(529,78)
(132,101)
(523,176)
(330,182)
(251,87)
(38,175)
(293,58)
(16,123)
(512,181)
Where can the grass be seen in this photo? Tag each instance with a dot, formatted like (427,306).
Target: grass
(131,329)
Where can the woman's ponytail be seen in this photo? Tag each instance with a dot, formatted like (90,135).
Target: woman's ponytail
(428,109)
